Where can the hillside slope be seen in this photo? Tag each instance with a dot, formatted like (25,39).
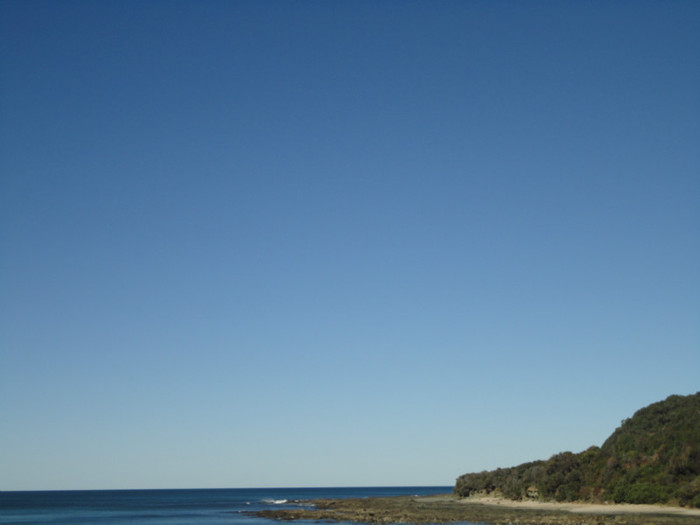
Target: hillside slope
(653,457)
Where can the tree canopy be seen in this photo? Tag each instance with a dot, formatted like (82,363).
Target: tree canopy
(653,457)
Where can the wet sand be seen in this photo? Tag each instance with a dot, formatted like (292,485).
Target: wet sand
(497,511)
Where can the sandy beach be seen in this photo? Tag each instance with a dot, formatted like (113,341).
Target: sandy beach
(581,508)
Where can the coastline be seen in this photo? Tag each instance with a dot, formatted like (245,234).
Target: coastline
(448,508)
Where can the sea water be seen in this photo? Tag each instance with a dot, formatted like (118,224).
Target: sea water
(172,507)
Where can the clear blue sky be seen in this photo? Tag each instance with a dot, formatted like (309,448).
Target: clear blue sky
(340,243)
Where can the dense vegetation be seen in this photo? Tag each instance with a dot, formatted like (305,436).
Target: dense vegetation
(653,457)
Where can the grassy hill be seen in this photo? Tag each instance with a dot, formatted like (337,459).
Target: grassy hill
(653,457)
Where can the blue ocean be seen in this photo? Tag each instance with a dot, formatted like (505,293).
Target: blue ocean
(172,507)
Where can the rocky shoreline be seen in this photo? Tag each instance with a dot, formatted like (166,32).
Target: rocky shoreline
(451,509)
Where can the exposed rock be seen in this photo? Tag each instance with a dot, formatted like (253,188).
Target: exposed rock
(451,509)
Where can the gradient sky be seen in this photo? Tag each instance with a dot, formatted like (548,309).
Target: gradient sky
(256,244)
